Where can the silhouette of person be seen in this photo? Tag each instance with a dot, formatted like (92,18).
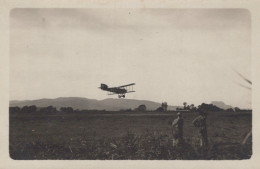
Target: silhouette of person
(200,123)
(177,130)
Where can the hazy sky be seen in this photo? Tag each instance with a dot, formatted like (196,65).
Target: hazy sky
(172,55)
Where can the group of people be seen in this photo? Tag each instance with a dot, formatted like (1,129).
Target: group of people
(199,122)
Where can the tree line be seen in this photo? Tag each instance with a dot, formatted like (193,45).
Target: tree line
(51,109)
(33,109)
(140,108)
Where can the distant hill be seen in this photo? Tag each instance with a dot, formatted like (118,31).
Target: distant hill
(221,105)
(90,104)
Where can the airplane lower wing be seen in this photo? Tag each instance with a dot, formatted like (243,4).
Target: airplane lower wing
(127,85)
(112,93)
(130,91)
(120,93)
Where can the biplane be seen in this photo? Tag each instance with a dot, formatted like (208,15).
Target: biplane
(120,90)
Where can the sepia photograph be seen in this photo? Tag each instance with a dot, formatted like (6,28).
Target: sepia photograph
(130,84)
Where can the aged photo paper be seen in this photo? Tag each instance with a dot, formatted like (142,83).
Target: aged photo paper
(112,84)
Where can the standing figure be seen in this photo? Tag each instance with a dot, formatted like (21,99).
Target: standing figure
(177,129)
(200,123)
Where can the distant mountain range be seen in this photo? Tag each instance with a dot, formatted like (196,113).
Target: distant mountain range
(221,105)
(93,104)
(90,104)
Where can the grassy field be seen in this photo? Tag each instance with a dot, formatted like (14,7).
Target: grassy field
(126,135)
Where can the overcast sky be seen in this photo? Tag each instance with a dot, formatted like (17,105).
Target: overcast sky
(172,55)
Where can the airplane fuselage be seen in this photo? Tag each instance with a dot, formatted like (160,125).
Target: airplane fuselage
(121,90)
(117,90)
(113,89)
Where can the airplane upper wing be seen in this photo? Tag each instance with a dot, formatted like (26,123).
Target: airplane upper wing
(127,85)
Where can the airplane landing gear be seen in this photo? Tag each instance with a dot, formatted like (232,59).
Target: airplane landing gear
(121,95)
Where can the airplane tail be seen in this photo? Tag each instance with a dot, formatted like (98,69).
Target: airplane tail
(103,86)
